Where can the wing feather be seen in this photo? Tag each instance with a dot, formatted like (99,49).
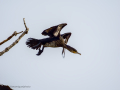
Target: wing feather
(54,31)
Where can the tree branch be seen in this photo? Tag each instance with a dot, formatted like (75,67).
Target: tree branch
(14,34)
(16,41)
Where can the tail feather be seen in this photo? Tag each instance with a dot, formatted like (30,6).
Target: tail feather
(33,43)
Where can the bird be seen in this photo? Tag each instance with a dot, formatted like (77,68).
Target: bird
(55,40)
(54,31)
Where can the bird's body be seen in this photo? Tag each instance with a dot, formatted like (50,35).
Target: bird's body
(46,42)
(53,42)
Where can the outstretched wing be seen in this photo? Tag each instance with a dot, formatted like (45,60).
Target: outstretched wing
(65,36)
(49,31)
(54,31)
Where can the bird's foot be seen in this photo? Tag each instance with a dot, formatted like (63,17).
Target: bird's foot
(39,52)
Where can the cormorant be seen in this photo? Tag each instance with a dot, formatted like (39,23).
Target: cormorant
(54,31)
(55,40)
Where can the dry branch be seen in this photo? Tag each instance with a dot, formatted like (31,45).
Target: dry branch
(14,34)
(16,41)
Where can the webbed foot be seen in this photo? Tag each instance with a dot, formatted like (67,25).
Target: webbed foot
(39,52)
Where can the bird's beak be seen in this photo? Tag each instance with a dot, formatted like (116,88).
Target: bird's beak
(79,53)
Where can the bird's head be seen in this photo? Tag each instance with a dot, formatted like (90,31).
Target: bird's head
(71,49)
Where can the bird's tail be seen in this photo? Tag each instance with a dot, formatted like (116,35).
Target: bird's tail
(33,43)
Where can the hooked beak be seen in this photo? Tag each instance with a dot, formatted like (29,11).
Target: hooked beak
(79,53)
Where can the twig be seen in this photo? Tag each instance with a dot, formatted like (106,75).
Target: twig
(14,34)
(16,41)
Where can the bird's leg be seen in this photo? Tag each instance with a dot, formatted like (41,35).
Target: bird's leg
(63,51)
(40,51)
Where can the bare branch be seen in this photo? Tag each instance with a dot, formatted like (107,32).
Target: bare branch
(14,34)
(16,41)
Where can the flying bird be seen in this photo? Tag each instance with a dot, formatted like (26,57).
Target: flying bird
(55,40)
(54,31)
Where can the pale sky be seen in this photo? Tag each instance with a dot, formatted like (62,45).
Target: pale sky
(95,28)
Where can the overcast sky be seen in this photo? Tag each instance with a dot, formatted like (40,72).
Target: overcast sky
(95,28)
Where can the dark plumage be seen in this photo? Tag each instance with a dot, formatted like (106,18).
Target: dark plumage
(54,31)
(55,40)
(48,42)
